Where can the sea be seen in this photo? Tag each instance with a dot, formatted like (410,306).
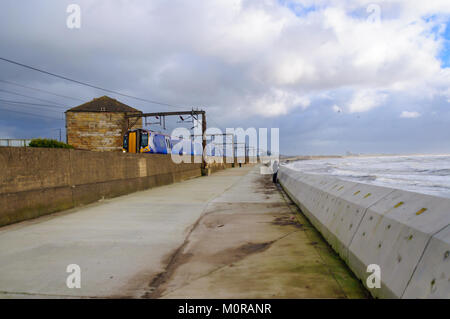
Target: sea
(427,174)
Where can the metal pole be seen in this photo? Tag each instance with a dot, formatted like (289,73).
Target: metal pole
(233,153)
(204,139)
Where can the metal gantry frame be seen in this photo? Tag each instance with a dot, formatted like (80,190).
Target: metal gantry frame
(194,114)
(221,134)
(162,115)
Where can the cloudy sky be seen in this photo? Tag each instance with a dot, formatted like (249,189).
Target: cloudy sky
(333,75)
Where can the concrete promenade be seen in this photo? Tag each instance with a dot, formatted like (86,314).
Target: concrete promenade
(229,235)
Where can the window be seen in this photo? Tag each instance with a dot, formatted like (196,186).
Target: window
(125,141)
(144,139)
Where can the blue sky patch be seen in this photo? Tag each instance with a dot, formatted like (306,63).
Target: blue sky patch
(298,9)
(444,55)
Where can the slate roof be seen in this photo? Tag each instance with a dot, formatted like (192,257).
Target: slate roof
(104,104)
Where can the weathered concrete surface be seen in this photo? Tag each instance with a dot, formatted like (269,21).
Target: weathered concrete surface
(118,243)
(404,233)
(231,234)
(252,242)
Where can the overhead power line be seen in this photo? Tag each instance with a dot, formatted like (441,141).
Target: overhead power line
(40,90)
(87,84)
(43,108)
(28,103)
(27,96)
(31,114)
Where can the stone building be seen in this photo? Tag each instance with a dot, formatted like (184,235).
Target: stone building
(99,125)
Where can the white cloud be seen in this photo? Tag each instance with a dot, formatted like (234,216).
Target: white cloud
(227,53)
(278,102)
(281,56)
(409,115)
(365,100)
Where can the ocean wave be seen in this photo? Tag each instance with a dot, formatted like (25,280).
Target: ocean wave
(428,174)
(440,172)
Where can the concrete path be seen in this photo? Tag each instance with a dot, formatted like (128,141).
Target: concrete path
(230,235)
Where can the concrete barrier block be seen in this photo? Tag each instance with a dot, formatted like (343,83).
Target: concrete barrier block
(293,185)
(306,187)
(431,277)
(393,234)
(289,178)
(314,186)
(318,195)
(323,206)
(407,234)
(343,213)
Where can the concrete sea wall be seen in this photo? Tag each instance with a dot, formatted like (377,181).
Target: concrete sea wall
(407,234)
(37,181)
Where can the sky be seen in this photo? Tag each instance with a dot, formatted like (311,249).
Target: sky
(334,76)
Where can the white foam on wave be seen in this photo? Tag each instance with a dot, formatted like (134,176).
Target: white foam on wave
(427,174)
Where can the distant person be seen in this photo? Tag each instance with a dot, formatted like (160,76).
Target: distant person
(275,171)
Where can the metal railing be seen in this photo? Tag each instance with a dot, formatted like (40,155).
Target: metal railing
(14,142)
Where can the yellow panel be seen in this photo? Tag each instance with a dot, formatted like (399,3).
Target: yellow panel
(132,142)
